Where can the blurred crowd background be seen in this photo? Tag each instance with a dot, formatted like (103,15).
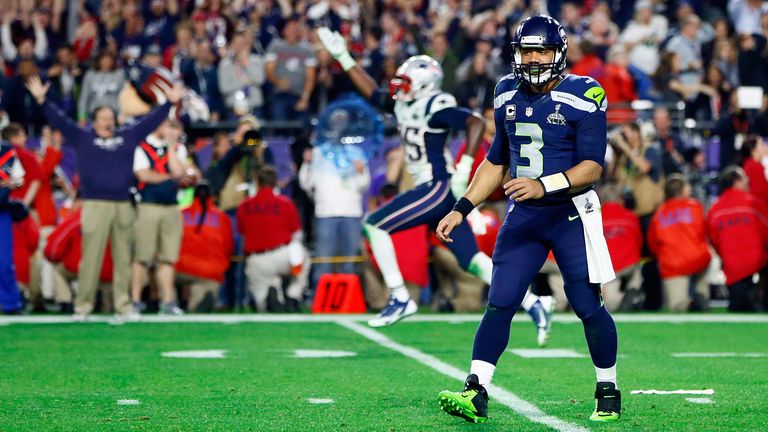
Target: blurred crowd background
(272,111)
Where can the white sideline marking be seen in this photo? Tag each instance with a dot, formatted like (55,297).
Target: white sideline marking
(320,401)
(699,400)
(201,354)
(718,355)
(520,406)
(328,318)
(546,353)
(670,392)
(127,402)
(301,353)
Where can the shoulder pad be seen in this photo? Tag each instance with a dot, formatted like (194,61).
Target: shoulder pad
(439,102)
(587,89)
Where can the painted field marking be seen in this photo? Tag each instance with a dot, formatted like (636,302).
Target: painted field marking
(699,400)
(199,354)
(546,353)
(329,318)
(719,355)
(319,401)
(128,402)
(302,353)
(518,405)
(673,392)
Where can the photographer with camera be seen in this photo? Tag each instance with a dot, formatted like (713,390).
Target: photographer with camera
(637,168)
(230,175)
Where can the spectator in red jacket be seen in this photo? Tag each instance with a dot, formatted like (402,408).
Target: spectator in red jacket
(206,247)
(25,239)
(738,229)
(625,243)
(45,206)
(678,238)
(619,86)
(64,249)
(753,150)
(272,230)
(14,133)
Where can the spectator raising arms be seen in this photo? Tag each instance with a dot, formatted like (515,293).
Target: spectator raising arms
(102,151)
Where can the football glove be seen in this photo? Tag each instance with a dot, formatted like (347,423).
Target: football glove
(460,178)
(337,47)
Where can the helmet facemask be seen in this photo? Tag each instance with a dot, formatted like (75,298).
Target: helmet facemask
(535,73)
(400,88)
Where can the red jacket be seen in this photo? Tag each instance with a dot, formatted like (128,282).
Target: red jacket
(267,221)
(619,88)
(412,246)
(738,229)
(678,238)
(482,151)
(623,235)
(205,252)
(25,239)
(758,185)
(486,229)
(65,246)
(32,171)
(46,209)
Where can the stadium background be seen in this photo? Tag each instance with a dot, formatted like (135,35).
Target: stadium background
(635,49)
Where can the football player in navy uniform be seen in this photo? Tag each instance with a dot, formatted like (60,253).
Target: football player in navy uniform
(551,140)
(425,116)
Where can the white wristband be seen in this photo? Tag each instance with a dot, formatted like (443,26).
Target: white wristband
(346,61)
(555,183)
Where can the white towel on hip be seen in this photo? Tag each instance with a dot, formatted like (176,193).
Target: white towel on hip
(598,257)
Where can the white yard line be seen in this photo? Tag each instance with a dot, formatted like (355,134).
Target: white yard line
(518,405)
(718,355)
(699,400)
(673,392)
(447,318)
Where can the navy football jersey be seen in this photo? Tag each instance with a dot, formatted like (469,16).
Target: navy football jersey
(539,134)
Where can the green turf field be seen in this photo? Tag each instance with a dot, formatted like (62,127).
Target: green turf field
(69,377)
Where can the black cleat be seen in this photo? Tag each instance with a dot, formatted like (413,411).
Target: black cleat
(607,403)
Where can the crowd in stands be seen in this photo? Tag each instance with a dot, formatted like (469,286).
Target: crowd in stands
(685,191)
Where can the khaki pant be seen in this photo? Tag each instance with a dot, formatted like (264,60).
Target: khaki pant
(676,295)
(611,291)
(63,288)
(102,220)
(198,288)
(158,233)
(266,269)
(463,290)
(376,293)
(556,284)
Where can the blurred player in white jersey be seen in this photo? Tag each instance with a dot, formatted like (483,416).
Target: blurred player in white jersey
(426,116)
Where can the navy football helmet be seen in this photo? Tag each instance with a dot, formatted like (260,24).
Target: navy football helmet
(539,31)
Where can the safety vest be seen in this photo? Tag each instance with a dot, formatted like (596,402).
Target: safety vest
(160,193)
(7,155)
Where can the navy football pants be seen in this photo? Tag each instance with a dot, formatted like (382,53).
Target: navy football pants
(426,204)
(524,240)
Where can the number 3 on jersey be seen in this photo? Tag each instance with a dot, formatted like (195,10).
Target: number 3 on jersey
(530,151)
(414,144)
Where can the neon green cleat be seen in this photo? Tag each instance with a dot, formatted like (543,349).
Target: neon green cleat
(607,403)
(471,404)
